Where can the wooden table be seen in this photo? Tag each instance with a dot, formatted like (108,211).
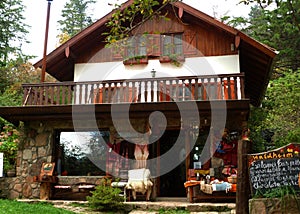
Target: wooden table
(216,195)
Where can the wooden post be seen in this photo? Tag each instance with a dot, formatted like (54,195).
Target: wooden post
(44,62)
(45,191)
(243,183)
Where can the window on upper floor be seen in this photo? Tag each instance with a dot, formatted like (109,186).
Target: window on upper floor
(166,47)
(136,50)
(136,47)
(171,44)
(171,48)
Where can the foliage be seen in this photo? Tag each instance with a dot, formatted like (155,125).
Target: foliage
(16,72)
(9,141)
(12,29)
(16,207)
(279,192)
(285,194)
(106,198)
(123,21)
(277,26)
(74,18)
(280,111)
(12,35)
(172,211)
(262,3)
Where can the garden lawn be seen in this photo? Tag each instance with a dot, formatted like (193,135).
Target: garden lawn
(16,207)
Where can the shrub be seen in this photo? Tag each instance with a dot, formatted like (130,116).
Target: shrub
(9,140)
(106,198)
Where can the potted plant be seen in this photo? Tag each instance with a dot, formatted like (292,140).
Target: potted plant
(9,140)
(10,169)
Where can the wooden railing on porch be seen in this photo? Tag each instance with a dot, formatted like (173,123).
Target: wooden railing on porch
(185,88)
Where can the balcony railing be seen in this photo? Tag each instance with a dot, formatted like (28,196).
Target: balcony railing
(167,89)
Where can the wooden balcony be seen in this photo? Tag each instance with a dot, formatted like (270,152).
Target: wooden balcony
(167,89)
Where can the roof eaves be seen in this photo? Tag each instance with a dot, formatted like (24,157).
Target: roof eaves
(262,47)
(209,19)
(271,52)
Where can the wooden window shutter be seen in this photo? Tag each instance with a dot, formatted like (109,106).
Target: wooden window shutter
(189,43)
(154,47)
(117,53)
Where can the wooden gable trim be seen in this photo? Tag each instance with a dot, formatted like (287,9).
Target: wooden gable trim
(265,49)
(84,33)
(205,17)
(210,20)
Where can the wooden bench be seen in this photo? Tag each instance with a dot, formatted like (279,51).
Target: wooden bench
(77,191)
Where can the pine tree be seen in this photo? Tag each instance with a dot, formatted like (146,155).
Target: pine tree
(278,27)
(74,18)
(12,30)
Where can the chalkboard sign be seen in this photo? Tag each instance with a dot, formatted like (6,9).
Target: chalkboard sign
(276,168)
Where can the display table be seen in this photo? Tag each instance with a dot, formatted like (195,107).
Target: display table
(209,191)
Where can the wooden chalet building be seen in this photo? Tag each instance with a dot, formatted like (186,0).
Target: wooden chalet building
(201,74)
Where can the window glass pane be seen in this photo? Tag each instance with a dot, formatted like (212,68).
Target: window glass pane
(167,45)
(142,46)
(178,39)
(82,153)
(178,44)
(131,48)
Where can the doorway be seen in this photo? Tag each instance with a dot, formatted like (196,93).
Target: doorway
(172,183)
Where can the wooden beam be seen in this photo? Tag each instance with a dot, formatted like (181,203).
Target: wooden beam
(243,183)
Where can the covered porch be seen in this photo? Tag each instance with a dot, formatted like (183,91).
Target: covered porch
(46,121)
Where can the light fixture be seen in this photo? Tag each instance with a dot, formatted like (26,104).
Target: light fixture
(153,72)
(232,47)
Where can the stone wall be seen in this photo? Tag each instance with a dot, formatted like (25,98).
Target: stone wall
(284,205)
(35,149)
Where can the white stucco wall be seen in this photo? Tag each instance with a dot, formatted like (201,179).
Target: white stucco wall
(192,66)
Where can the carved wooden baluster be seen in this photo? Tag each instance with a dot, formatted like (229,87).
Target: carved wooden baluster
(75,93)
(196,89)
(138,86)
(157,90)
(176,93)
(215,88)
(170,94)
(120,100)
(134,92)
(242,87)
(91,98)
(164,90)
(229,88)
(109,91)
(80,93)
(69,98)
(190,89)
(152,90)
(33,100)
(51,94)
(57,95)
(235,88)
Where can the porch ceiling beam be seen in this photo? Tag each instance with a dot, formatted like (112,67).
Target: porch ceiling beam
(32,113)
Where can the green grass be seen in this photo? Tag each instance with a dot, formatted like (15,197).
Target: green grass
(173,211)
(16,207)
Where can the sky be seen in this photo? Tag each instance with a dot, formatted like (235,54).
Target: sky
(36,10)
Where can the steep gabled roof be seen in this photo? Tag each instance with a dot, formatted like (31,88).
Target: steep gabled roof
(255,58)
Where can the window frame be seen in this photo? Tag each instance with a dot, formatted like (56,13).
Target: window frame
(171,53)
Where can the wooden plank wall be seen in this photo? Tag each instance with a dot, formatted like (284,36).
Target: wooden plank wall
(201,40)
